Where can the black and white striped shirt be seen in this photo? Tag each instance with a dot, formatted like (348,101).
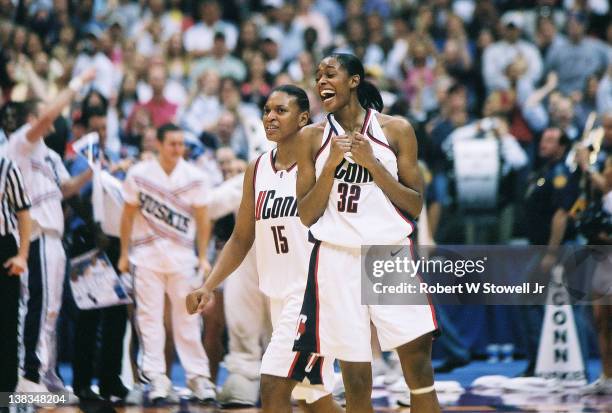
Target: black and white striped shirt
(13,196)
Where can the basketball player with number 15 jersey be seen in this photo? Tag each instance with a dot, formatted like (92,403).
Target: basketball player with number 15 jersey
(268,217)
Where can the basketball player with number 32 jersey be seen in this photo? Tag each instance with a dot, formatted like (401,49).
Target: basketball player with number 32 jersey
(359,184)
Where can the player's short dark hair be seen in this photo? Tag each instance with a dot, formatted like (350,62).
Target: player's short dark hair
(164,129)
(298,93)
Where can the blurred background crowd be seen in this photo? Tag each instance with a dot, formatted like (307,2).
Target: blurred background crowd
(535,76)
(209,66)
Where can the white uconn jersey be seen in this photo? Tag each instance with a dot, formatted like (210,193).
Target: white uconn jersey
(281,240)
(164,233)
(358,212)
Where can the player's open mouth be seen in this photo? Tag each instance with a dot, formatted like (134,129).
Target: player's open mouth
(271,127)
(327,95)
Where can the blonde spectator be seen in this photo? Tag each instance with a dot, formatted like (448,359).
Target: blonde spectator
(66,43)
(178,61)
(150,40)
(420,78)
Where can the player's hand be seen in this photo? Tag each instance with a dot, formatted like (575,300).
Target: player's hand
(362,152)
(204,266)
(340,145)
(16,265)
(197,300)
(124,264)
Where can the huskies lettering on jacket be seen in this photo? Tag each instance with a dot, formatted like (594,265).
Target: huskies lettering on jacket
(269,206)
(352,173)
(164,213)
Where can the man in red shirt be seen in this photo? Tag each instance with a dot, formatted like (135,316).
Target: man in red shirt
(162,111)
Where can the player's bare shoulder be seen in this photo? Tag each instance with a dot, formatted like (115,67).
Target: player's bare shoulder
(313,130)
(311,136)
(394,124)
(397,129)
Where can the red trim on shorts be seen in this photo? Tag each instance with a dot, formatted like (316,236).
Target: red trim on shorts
(431,307)
(295,359)
(316,279)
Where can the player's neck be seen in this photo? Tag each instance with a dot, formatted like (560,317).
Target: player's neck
(286,153)
(167,165)
(351,116)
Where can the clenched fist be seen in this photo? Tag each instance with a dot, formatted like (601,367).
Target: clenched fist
(197,300)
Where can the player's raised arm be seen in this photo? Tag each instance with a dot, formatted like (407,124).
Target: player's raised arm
(235,249)
(41,125)
(407,192)
(313,193)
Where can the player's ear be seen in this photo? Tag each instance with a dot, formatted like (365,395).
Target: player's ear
(354,81)
(304,117)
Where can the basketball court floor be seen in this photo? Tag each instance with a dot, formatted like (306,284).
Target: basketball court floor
(458,395)
(467,403)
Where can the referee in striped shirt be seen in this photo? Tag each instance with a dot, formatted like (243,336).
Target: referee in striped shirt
(14,216)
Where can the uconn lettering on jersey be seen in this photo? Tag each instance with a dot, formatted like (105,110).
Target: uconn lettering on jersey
(269,206)
(352,173)
(164,213)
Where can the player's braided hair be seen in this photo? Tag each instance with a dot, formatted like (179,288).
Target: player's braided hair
(368,94)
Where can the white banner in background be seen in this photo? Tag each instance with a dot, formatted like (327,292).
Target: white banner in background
(107,201)
(88,146)
(559,354)
(477,169)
